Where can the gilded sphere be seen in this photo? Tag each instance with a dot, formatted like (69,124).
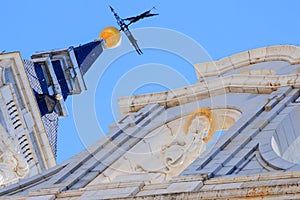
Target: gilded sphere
(112,36)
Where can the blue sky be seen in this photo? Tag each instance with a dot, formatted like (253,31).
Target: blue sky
(221,27)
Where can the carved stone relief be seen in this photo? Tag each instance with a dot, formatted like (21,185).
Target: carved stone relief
(12,164)
(168,150)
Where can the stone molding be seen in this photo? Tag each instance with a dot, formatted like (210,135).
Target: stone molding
(279,186)
(239,83)
(288,53)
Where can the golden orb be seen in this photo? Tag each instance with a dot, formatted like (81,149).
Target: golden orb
(58,97)
(112,36)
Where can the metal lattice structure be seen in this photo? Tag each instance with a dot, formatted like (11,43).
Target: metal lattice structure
(50,121)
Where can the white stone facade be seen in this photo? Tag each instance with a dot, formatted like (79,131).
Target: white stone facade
(173,145)
(22,133)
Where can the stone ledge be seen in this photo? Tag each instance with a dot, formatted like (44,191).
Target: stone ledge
(188,187)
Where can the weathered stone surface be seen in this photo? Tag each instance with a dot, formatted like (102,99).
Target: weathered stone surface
(45,197)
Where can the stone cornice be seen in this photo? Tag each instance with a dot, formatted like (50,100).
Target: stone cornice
(256,84)
(288,53)
(282,186)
